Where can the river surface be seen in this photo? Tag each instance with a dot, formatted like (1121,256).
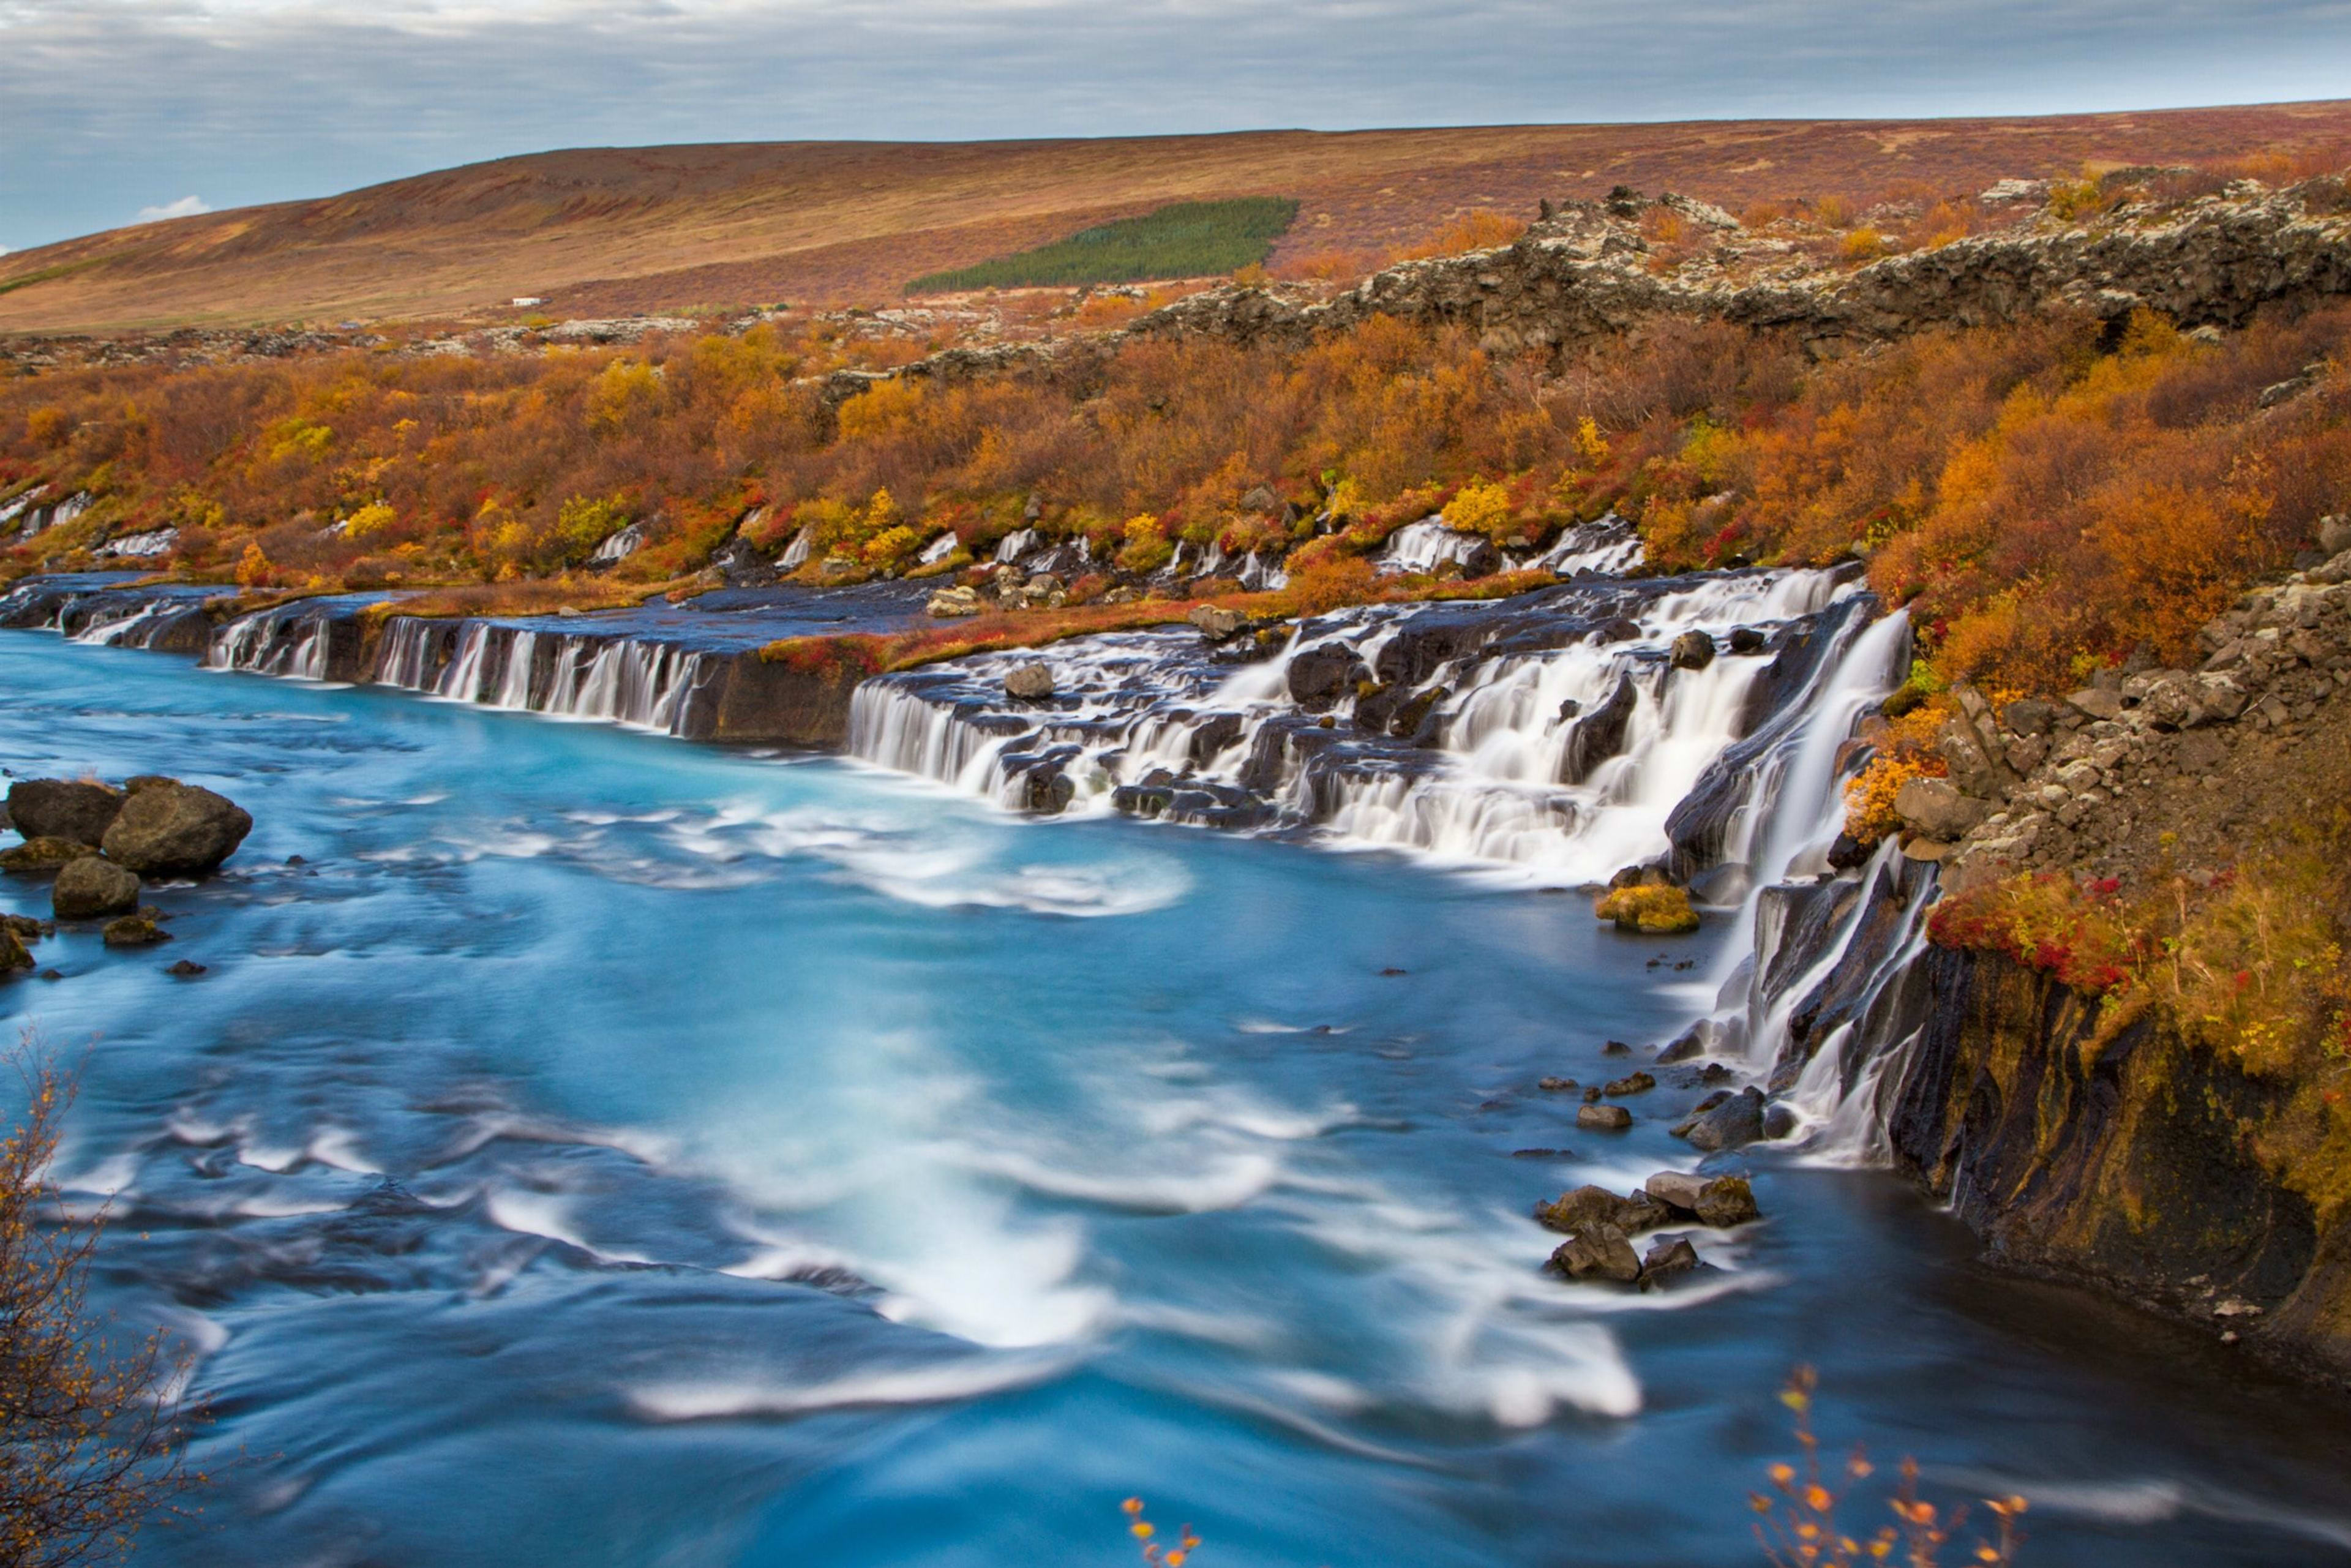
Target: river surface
(589,1148)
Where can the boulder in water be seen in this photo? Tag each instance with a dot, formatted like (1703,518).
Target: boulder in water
(138,930)
(1029,683)
(1598,1251)
(13,956)
(1589,1205)
(1320,675)
(43,854)
(169,829)
(1736,1121)
(1747,640)
(91,887)
(1670,1258)
(1603,1118)
(76,810)
(1631,1083)
(1719,1201)
(1692,651)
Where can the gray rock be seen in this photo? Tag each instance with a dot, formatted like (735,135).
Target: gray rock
(1717,1202)
(168,829)
(2030,716)
(2335,535)
(74,808)
(1029,683)
(1935,808)
(91,887)
(1735,1123)
(1216,622)
(1603,1118)
(1588,1206)
(2097,702)
(1598,1252)
(135,931)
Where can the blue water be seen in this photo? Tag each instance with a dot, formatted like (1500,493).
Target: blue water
(603,1150)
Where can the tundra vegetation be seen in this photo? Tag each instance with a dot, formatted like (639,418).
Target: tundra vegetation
(1183,239)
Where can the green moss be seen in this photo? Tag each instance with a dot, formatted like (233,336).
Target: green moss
(1188,239)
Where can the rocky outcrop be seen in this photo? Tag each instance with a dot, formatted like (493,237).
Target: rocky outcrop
(2134,1162)
(1584,274)
(91,888)
(77,810)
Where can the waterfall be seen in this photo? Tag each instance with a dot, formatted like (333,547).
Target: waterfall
(1553,735)
(288,641)
(583,676)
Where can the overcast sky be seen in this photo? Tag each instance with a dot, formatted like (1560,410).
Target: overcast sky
(112,111)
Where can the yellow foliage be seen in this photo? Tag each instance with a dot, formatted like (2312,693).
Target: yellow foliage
(625,396)
(1652,909)
(1480,506)
(371,518)
(887,411)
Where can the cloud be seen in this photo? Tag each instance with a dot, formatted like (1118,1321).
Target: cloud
(185,207)
(268,99)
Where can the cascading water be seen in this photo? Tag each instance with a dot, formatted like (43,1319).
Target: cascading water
(1554,734)
(289,641)
(585,676)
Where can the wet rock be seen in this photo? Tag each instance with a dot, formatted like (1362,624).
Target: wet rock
(27,929)
(1849,853)
(1735,1123)
(1029,683)
(1668,1259)
(13,956)
(1747,640)
(1700,1040)
(1692,651)
(1631,1083)
(1555,1085)
(1322,675)
(92,887)
(75,809)
(1615,1047)
(42,854)
(1604,1118)
(186,970)
(135,931)
(1598,1252)
(1717,1202)
(1589,1205)
(1599,735)
(168,829)
(1779,1119)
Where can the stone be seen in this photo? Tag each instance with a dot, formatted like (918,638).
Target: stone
(135,931)
(1631,1083)
(75,810)
(1603,1118)
(1320,675)
(1598,1252)
(27,929)
(92,887)
(1215,621)
(1698,1040)
(1738,1121)
(953,601)
(1555,1085)
(1779,1119)
(13,956)
(1589,1205)
(2097,702)
(1029,683)
(1668,1257)
(1747,640)
(1719,1201)
(1935,808)
(186,970)
(42,854)
(168,829)
(2030,716)
(2335,535)
(1692,651)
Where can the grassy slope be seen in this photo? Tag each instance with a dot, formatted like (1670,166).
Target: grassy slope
(1188,239)
(610,230)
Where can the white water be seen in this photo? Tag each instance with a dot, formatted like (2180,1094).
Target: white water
(289,641)
(1494,790)
(620,680)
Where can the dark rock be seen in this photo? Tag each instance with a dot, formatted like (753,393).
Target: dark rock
(1692,651)
(75,809)
(13,956)
(1622,629)
(1604,1118)
(1736,1121)
(2030,716)
(1592,1096)
(1320,675)
(42,854)
(1590,1206)
(1747,640)
(27,929)
(1779,1119)
(1555,1085)
(1615,1047)
(186,970)
(1849,853)
(1717,1202)
(1029,683)
(91,887)
(169,829)
(1631,1083)
(1599,1252)
(135,931)
(1670,1258)
(1598,735)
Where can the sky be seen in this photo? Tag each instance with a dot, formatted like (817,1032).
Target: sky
(119,112)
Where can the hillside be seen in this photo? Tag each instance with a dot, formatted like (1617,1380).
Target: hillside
(605,231)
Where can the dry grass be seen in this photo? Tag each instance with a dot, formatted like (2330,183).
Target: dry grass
(670,228)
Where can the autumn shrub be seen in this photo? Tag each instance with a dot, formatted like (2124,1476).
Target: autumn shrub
(93,1429)
(1477,229)
(1653,909)
(1481,507)
(1904,750)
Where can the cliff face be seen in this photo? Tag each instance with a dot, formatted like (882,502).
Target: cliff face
(1585,274)
(2137,1164)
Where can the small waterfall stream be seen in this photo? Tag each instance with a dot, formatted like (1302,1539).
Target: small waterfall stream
(584,676)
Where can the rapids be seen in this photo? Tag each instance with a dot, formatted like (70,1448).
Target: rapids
(600,1149)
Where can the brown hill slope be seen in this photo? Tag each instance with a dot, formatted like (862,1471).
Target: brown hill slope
(620,229)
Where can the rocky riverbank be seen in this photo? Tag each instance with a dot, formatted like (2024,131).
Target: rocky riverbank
(100,845)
